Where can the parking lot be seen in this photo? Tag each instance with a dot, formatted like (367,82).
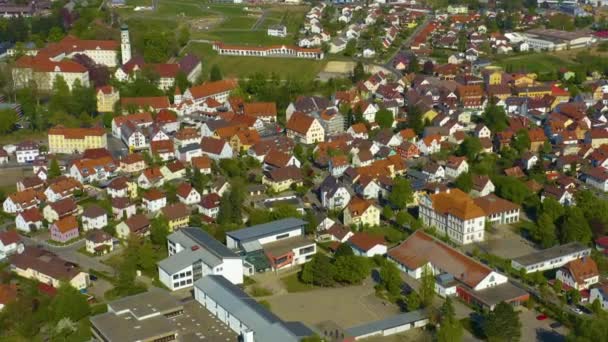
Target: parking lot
(540,330)
(198,324)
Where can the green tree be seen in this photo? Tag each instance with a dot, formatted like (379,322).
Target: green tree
(351,269)
(575,227)
(414,65)
(470,147)
(521,141)
(8,120)
(55,34)
(545,231)
(450,329)
(401,194)
(215,74)
(184,36)
(427,286)
(511,189)
(159,231)
(464,182)
(412,301)
(319,271)
(358,72)
(463,40)
(69,303)
(495,117)
(502,324)
(391,278)
(351,48)
(384,118)
(54,170)
(552,208)
(403,217)
(158,47)
(387,212)
(343,250)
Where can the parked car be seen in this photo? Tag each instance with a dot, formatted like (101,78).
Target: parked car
(541,317)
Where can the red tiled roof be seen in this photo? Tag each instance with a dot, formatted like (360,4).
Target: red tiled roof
(300,123)
(421,248)
(366,241)
(9,237)
(212,88)
(76,133)
(156,102)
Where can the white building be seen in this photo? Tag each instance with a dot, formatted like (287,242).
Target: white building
(551,258)
(244,315)
(194,254)
(454,214)
(10,243)
(277,31)
(125,44)
(600,293)
(579,274)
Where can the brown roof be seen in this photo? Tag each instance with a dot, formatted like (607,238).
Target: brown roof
(156,102)
(276,158)
(357,206)
(66,224)
(132,158)
(285,173)
(76,133)
(153,195)
(93,211)
(421,248)
(98,236)
(366,241)
(582,269)
(183,190)
(457,203)
(187,133)
(45,262)
(175,211)
(121,203)
(300,123)
(64,206)
(202,162)
(26,196)
(338,231)
(258,109)
(492,204)
(212,145)
(480,181)
(211,88)
(31,215)
(9,236)
(137,222)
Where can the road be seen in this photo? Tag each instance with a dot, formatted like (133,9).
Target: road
(404,46)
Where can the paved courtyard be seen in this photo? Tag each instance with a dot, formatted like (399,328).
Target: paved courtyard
(535,330)
(346,306)
(504,242)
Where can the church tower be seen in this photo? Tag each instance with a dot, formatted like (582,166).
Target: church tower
(125,44)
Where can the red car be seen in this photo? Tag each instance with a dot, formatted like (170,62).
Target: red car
(541,317)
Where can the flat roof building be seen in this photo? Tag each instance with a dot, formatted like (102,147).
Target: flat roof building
(243,314)
(193,254)
(551,258)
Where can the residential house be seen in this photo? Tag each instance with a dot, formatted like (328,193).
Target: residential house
(151,177)
(210,205)
(282,179)
(366,244)
(94,217)
(107,97)
(498,210)
(153,200)
(361,212)
(137,224)
(22,200)
(305,129)
(333,195)
(47,268)
(132,163)
(579,274)
(98,242)
(62,188)
(187,194)
(455,166)
(64,229)
(482,186)
(122,208)
(177,215)
(29,220)
(26,152)
(216,149)
(10,243)
(62,208)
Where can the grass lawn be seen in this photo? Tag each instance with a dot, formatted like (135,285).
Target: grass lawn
(21,135)
(238,23)
(537,63)
(233,66)
(293,284)
(243,37)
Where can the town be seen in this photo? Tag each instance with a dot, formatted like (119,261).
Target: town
(304,171)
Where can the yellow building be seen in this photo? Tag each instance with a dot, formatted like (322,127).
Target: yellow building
(107,97)
(177,216)
(47,268)
(495,78)
(361,212)
(429,115)
(76,140)
(281,179)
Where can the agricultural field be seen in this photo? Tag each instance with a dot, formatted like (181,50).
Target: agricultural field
(538,63)
(233,66)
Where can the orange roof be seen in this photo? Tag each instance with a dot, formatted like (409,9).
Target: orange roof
(202,162)
(359,128)
(156,102)
(212,88)
(300,122)
(421,248)
(26,196)
(366,241)
(136,118)
(43,64)
(456,203)
(152,173)
(260,109)
(357,206)
(582,269)
(407,133)
(187,133)
(248,136)
(66,224)
(153,195)
(76,133)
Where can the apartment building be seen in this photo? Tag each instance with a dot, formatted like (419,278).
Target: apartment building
(76,140)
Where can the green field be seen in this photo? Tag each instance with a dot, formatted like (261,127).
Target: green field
(233,66)
(537,63)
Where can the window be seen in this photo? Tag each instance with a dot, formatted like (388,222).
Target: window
(282,236)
